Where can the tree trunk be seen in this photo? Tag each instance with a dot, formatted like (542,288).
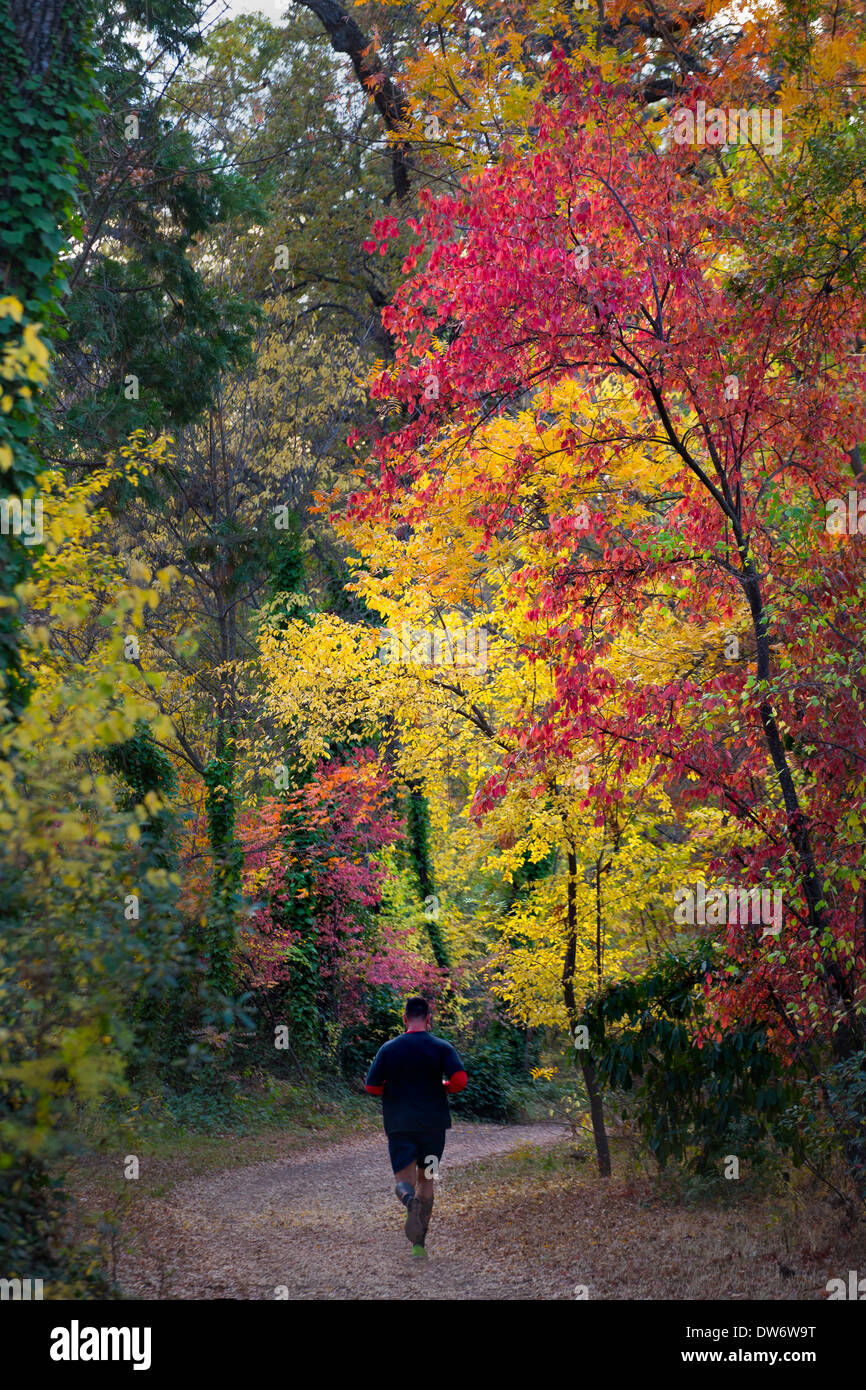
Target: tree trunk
(596,1110)
(596,1106)
(391,102)
(848,1037)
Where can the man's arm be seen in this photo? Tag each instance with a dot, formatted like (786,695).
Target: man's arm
(375,1083)
(454,1070)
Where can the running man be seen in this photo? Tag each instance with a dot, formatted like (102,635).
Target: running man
(407,1073)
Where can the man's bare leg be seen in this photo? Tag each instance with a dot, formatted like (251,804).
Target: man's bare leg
(420,1211)
(404,1183)
(415,1191)
(404,1186)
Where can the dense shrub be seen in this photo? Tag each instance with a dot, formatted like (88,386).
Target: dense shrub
(691,1095)
(489,1094)
(360,1042)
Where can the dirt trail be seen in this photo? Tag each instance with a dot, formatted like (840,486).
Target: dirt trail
(324,1224)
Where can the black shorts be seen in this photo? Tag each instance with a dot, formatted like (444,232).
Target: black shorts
(415,1146)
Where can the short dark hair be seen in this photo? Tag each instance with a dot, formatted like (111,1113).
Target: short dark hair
(416,1007)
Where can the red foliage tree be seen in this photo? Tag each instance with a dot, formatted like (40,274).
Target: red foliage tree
(320,843)
(601,255)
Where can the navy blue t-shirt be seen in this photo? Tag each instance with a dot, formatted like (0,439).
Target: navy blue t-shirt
(411,1069)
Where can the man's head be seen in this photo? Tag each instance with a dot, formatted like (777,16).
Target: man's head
(417,1013)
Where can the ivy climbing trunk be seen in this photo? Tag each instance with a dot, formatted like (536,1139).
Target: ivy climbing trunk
(145,769)
(227,863)
(48,100)
(298,913)
(418,824)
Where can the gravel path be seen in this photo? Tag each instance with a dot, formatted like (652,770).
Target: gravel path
(323,1224)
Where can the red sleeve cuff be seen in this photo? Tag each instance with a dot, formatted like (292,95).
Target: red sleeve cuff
(374,1090)
(456,1082)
